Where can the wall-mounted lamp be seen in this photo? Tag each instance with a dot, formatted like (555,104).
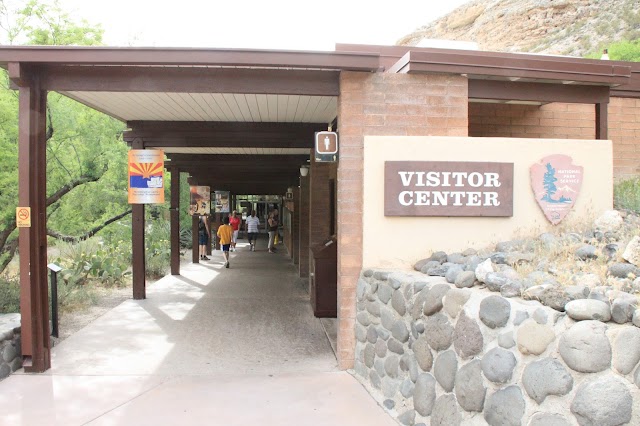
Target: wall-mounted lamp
(304,170)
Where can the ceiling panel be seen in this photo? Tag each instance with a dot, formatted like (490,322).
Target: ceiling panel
(238,107)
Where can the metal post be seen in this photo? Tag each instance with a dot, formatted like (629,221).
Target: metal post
(54,297)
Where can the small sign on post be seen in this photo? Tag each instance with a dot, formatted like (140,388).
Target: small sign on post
(326,147)
(23,217)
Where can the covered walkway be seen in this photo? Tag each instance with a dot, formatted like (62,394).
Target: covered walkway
(211,346)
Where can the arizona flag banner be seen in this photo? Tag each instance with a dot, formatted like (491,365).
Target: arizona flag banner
(146,176)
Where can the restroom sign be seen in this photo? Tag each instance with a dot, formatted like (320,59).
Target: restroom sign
(326,147)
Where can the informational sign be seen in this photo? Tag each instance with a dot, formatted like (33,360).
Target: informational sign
(23,217)
(448,188)
(556,183)
(146,176)
(326,147)
(222,201)
(200,200)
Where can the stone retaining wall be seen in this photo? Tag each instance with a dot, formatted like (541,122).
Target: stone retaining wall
(10,346)
(436,354)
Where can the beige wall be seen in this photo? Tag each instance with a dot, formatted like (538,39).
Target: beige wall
(398,242)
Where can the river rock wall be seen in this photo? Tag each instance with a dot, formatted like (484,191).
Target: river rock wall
(434,353)
(10,345)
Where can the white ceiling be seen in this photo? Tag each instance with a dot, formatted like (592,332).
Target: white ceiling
(242,151)
(155,106)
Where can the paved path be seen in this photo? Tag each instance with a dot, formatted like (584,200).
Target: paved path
(212,346)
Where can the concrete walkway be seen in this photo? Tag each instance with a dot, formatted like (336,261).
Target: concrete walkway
(213,346)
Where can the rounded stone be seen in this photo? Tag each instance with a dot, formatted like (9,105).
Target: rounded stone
(396,280)
(424,394)
(622,309)
(622,270)
(407,418)
(5,370)
(546,377)
(469,387)
(372,334)
(626,350)
(363,318)
(520,317)
(602,401)
(384,293)
(381,349)
(369,355)
(512,289)
(505,407)
(396,347)
(467,337)
(16,364)
(388,317)
(361,333)
(429,266)
(444,369)
(400,331)
(361,289)
(382,333)
(439,332)
(548,419)
(498,365)
(506,340)
(483,269)
(465,279)
(495,311)
(406,388)
(389,404)
(452,273)
(378,365)
(423,353)
(391,365)
(418,304)
(540,316)
(454,300)
(495,281)
(636,318)
(381,275)
(9,353)
(636,379)
(554,297)
(398,303)
(588,309)
(586,252)
(445,412)
(585,347)
(390,387)
(373,308)
(533,338)
(433,301)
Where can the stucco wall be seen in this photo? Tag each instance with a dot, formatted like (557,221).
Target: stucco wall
(398,242)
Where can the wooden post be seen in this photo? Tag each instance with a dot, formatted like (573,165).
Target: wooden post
(602,121)
(195,243)
(137,243)
(34,298)
(175,221)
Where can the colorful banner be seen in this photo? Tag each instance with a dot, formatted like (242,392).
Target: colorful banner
(222,201)
(200,203)
(146,176)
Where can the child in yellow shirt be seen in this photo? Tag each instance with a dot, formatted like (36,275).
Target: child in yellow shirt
(225,233)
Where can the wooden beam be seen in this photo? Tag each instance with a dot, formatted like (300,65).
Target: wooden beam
(602,121)
(538,92)
(138,245)
(191,80)
(175,220)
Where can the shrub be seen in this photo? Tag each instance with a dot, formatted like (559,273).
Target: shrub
(158,248)
(626,195)
(9,295)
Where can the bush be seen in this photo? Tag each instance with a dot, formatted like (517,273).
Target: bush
(9,295)
(626,195)
(158,248)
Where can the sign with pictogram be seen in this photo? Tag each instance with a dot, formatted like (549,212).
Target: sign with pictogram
(326,147)
(23,217)
(146,176)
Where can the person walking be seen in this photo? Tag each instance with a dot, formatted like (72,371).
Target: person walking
(253,226)
(272,223)
(225,233)
(234,221)
(203,237)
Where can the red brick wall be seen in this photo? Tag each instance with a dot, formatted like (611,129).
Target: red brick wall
(624,131)
(378,104)
(564,121)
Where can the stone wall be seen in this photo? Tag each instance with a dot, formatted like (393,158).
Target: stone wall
(10,346)
(436,353)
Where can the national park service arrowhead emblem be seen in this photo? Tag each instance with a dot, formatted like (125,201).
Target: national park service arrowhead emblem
(556,183)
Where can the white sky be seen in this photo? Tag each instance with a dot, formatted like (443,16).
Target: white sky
(284,24)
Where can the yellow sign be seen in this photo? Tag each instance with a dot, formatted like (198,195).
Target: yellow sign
(23,217)
(146,176)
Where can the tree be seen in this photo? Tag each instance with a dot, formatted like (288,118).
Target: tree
(549,183)
(86,158)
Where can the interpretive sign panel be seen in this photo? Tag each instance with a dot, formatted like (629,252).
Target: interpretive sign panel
(200,200)
(146,176)
(556,183)
(448,188)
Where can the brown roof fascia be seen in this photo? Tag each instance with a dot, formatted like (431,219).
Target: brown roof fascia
(632,88)
(537,68)
(500,64)
(78,55)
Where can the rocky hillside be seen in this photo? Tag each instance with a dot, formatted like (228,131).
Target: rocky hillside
(562,27)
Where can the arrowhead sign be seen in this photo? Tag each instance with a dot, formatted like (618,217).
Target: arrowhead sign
(556,183)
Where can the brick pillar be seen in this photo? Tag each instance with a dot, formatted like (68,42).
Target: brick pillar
(380,104)
(303,218)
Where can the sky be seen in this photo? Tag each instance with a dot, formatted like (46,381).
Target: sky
(286,24)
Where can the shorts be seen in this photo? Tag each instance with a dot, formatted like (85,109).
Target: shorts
(253,236)
(234,239)
(202,239)
(225,247)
